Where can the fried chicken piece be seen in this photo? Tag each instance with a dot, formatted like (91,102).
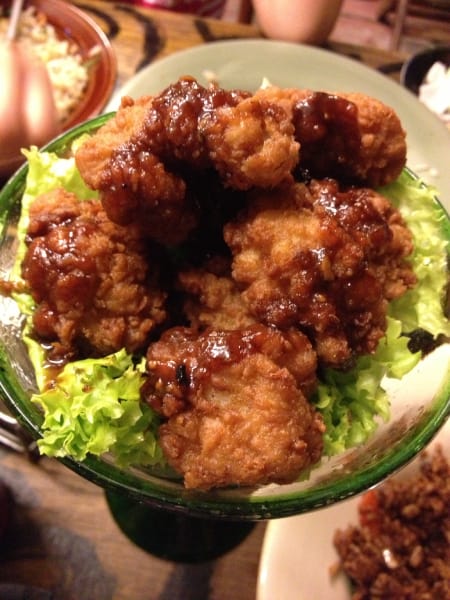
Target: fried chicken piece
(251,144)
(348,136)
(215,303)
(93,281)
(134,185)
(95,154)
(143,153)
(324,260)
(213,300)
(140,154)
(382,154)
(236,411)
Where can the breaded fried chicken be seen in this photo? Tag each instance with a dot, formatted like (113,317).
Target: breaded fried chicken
(251,144)
(236,411)
(141,153)
(324,260)
(382,153)
(138,160)
(94,283)
(343,135)
(213,300)
(145,149)
(94,157)
(134,184)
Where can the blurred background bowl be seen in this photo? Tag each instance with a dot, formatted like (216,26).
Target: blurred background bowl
(74,25)
(415,68)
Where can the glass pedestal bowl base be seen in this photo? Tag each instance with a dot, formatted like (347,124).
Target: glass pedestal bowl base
(175,536)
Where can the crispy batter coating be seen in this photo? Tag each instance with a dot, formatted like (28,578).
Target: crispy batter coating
(236,412)
(94,156)
(251,144)
(139,161)
(324,260)
(348,136)
(91,279)
(142,153)
(382,154)
(213,300)
(134,184)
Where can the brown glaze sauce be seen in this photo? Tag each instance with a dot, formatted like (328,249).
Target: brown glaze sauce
(320,117)
(171,127)
(182,360)
(354,211)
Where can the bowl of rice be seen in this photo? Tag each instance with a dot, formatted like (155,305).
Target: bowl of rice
(77,53)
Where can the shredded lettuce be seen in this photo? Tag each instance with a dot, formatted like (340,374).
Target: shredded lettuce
(94,406)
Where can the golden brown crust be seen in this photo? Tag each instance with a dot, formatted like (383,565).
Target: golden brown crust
(324,260)
(252,426)
(383,141)
(236,405)
(95,290)
(378,152)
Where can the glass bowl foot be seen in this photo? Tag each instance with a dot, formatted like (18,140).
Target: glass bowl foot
(175,536)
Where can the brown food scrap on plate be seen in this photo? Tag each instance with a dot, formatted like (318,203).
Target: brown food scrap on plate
(401,547)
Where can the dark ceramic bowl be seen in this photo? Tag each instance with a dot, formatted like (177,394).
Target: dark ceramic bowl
(415,68)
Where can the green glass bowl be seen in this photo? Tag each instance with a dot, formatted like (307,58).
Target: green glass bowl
(420,406)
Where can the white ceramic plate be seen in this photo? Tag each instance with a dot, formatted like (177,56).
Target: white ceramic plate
(298,552)
(244,64)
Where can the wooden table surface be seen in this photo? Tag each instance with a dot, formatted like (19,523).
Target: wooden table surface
(61,537)
(140,36)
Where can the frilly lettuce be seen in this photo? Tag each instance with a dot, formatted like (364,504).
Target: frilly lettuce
(422,307)
(352,402)
(94,407)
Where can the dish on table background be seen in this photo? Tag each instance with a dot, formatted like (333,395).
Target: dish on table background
(298,554)
(420,401)
(416,67)
(93,45)
(427,74)
(78,27)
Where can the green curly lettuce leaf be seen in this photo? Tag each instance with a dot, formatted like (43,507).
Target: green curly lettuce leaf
(422,306)
(352,402)
(94,407)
